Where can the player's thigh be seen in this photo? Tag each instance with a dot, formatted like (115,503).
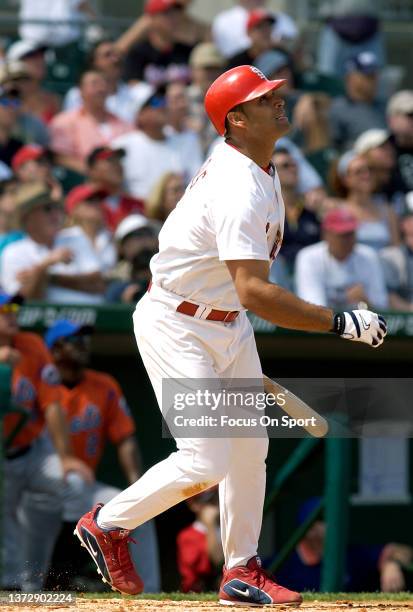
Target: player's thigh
(46,484)
(245,362)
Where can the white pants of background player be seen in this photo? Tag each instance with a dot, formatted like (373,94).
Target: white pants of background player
(79,496)
(175,345)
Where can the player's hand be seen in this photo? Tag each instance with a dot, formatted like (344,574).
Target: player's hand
(73,464)
(392,578)
(361,326)
(9,355)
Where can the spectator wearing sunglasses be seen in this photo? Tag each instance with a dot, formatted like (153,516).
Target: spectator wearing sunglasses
(16,79)
(33,163)
(37,100)
(10,102)
(49,264)
(96,413)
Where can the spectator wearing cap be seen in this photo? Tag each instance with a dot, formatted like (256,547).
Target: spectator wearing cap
(137,241)
(182,138)
(337,272)
(352,27)
(95,411)
(229,28)
(86,215)
(301,227)
(48,263)
(15,78)
(37,100)
(188,31)
(159,59)
(400,122)
(260,24)
(75,133)
(105,170)
(377,221)
(397,264)
(359,109)
(165,196)
(106,58)
(206,64)
(149,152)
(376,147)
(32,164)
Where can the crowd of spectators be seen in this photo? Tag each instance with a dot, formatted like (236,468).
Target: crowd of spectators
(133,132)
(88,177)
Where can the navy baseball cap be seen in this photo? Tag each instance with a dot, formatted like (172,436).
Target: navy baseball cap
(364,62)
(6,298)
(65,329)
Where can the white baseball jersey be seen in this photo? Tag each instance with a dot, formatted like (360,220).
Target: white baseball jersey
(233,209)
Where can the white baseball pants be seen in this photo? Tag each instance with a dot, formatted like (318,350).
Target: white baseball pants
(174,345)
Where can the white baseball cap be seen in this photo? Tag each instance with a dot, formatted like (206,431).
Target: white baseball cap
(370,139)
(22,48)
(401,103)
(133,223)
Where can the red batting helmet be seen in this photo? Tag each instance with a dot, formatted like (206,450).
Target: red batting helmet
(238,85)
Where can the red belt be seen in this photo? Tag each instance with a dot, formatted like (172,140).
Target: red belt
(190,309)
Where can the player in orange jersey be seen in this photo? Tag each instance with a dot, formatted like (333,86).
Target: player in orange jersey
(37,458)
(97,412)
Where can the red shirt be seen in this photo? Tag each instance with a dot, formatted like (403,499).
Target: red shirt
(35,385)
(96,410)
(118,207)
(193,561)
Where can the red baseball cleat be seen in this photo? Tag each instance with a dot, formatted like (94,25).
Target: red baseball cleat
(250,585)
(109,550)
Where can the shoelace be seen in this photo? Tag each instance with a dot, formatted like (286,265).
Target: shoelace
(120,554)
(260,575)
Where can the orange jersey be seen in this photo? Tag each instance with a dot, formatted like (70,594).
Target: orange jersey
(96,410)
(35,385)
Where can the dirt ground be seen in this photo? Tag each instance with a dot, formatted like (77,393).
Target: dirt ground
(119,605)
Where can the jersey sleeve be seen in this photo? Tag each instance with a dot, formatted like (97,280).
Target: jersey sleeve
(240,220)
(46,376)
(120,424)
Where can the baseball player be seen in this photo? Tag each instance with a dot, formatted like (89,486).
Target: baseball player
(38,458)
(96,412)
(213,263)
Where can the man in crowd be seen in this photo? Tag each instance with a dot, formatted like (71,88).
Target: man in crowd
(359,109)
(337,272)
(32,164)
(397,264)
(206,64)
(10,102)
(159,59)
(96,412)
(149,153)
(37,457)
(182,138)
(259,28)
(75,133)
(400,121)
(105,58)
(230,33)
(105,170)
(46,264)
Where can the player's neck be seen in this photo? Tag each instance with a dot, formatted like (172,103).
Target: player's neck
(259,152)
(71,377)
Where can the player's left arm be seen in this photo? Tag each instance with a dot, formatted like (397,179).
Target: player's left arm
(281,307)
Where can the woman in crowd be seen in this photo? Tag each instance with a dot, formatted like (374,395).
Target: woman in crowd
(165,196)
(378,225)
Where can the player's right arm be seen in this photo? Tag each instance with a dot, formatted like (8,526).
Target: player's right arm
(283,308)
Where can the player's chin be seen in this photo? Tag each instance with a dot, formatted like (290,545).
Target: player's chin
(282,125)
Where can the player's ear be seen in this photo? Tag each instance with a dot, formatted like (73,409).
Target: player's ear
(236,118)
